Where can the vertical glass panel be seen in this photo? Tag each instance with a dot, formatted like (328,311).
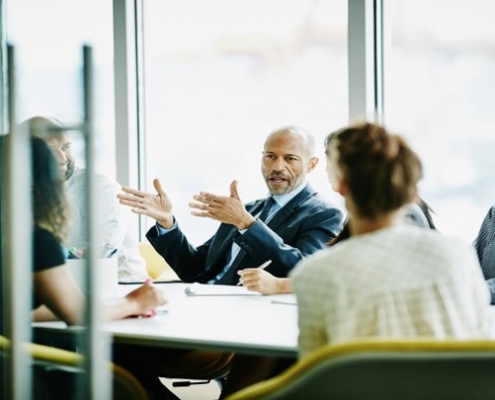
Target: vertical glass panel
(48,37)
(220,75)
(2,265)
(440,91)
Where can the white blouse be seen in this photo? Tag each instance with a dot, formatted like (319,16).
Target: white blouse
(396,282)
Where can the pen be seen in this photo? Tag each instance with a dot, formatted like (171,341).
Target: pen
(262,266)
(110,253)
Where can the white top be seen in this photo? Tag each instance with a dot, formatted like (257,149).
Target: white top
(400,281)
(115,227)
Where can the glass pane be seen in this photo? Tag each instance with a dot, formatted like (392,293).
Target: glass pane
(220,75)
(440,94)
(48,37)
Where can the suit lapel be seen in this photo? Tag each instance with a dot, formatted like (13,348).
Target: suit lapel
(222,242)
(285,212)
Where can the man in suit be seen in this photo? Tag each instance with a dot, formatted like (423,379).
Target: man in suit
(298,223)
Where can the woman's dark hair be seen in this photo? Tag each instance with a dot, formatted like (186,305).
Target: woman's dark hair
(50,208)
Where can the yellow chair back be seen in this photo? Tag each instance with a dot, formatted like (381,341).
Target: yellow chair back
(157,267)
(386,370)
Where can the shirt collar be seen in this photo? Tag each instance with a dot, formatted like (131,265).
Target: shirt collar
(283,199)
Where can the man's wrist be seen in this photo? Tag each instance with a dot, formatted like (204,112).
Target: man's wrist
(244,225)
(166,223)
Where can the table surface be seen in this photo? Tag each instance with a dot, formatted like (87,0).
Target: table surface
(243,323)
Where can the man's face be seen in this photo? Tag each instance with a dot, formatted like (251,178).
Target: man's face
(285,162)
(62,150)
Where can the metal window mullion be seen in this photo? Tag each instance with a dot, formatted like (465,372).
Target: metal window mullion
(125,92)
(365,60)
(127,25)
(19,234)
(3,68)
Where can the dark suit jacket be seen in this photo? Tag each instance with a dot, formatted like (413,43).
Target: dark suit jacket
(301,227)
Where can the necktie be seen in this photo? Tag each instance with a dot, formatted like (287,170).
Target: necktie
(265,213)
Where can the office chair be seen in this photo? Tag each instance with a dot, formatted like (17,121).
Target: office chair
(53,367)
(156,266)
(386,370)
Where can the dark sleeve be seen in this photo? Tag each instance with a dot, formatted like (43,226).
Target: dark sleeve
(305,234)
(48,252)
(485,249)
(187,261)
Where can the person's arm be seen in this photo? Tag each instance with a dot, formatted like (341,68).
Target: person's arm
(262,281)
(491,288)
(56,289)
(303,235)
(484,245)
(43,313)
(62,299)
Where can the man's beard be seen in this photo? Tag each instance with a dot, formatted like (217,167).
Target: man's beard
(69,171)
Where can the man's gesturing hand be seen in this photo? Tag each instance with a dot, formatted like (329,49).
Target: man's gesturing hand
(229,210)
(157,206)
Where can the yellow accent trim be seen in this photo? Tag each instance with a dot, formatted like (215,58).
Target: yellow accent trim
(368,345)
(58,356)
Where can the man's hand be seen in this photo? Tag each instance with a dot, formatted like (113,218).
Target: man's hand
(229,210)
(158,207)
(258,280)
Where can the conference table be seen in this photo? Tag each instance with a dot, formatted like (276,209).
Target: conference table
(208,317)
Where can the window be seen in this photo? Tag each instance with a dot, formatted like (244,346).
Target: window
(221,75)
(440,91)
(48,37)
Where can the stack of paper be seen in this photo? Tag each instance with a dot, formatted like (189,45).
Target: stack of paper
(200,289)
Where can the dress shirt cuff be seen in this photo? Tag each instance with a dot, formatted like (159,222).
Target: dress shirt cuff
(491,286)
(160,230)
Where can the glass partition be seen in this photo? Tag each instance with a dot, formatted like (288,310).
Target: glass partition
(49,38)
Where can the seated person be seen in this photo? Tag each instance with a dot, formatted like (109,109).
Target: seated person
(299,223)
(485,248)
(56,296)
(388,279)
(117,232)
(417,212)
(247,370)
(292,223)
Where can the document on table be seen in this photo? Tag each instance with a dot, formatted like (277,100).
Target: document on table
(286,299)
(202,289)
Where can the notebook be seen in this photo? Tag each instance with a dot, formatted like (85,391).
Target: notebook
(202,289)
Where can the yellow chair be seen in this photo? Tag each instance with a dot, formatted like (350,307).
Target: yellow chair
(157,267)
(51,359)
(386,370)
